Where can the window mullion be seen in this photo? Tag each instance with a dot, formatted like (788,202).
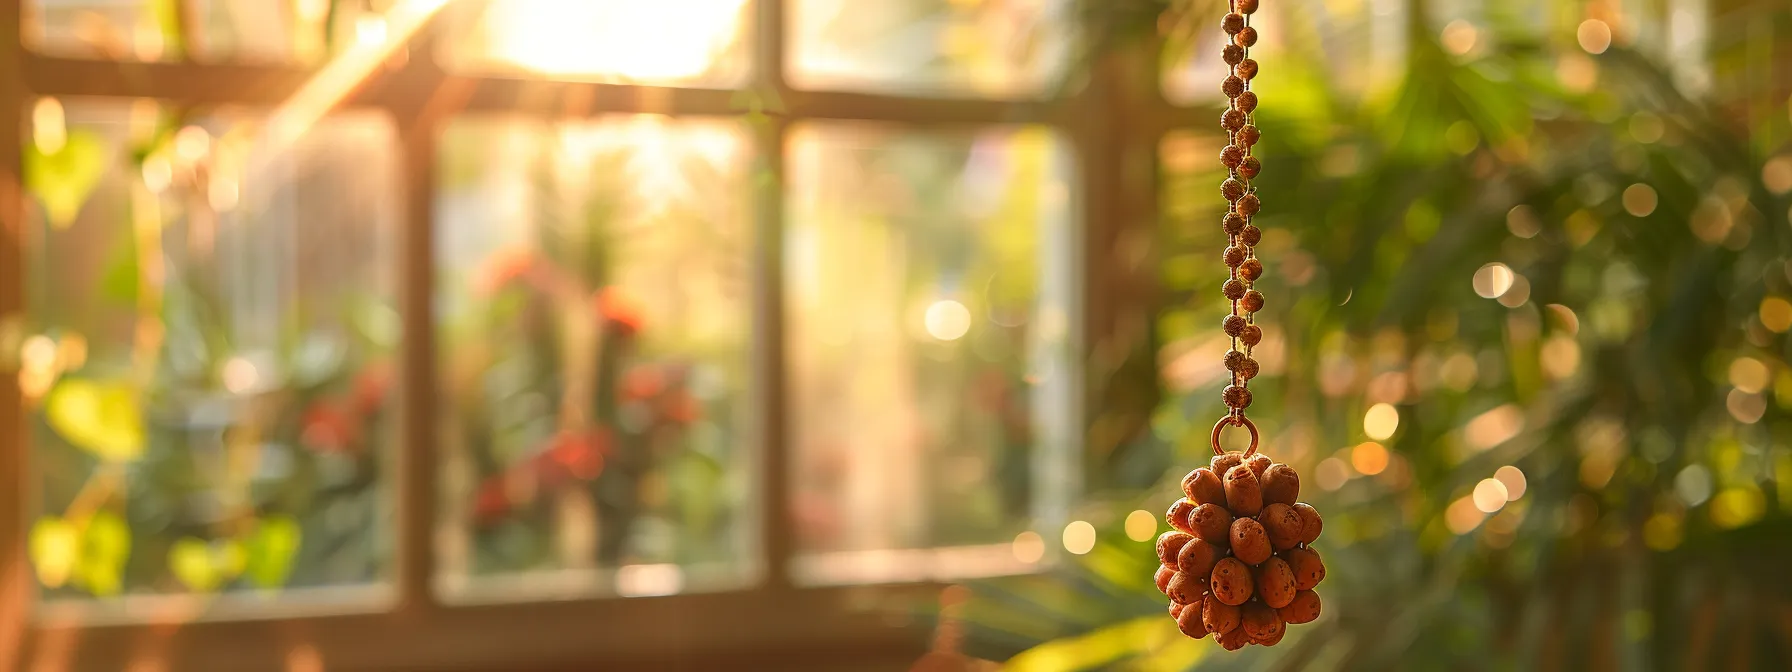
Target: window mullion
(16,589)
(776,537)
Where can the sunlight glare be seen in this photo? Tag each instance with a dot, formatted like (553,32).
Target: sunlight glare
(628,38)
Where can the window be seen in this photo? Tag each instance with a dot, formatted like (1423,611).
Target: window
(419,334)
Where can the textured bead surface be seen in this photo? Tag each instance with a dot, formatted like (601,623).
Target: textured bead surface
(1232,156)
(1251,235)
(1232,54)
(1234,289)
(1248,205)
(1233,224)
(1247,369)
(1246,69)
(1232,120)
(1233,325)
(1232,23)
(1247,6)
(1248,166)
(1252,301)
(1250,270)
(1245,38)
(1232,87)
(1251,335)
(1247,101)
(1249,135)
(1232,189)
(1236,254)
(1237,397)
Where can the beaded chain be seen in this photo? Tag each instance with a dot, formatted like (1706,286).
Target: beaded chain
(1240,255)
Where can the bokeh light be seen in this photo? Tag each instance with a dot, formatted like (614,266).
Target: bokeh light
(947,320)
(1331,473)
(1639,200)
(1369,458)
(1490,494)
(1029,547)
(1381,421)
(1594,36)
(1141,525)
(1776,314)
(1462,517)
(1492,280)
(1079,537)
(1513,479)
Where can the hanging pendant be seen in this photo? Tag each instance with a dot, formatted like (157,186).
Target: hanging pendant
(1238,563)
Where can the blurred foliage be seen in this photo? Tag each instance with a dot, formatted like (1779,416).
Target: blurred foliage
(1538,257)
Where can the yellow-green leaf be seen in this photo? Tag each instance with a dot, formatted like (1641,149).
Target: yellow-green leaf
(100,418)
(270,551)
(191,561)
(1100,649)
(62,180)
(107,538)
(55,546)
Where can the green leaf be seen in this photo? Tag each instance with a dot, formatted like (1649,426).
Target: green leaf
(55,546)
(100,418)
(270,551)
(63,180)
(107,537)
(119,283)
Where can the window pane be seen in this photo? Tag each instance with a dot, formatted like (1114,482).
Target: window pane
(594,324)
(930,311)
(151,30)
(1006,49)
(661,42)
(209,373)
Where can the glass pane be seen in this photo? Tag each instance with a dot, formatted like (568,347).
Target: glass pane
(930,302)
(996,48)
(660,42)
(209,375)
(152,30)
(594,324)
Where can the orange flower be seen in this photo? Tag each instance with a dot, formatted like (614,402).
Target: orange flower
(621,309)
(501,269)
(327,427)
(643,382)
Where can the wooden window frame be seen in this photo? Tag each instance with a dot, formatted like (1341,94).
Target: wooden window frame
(1113,123)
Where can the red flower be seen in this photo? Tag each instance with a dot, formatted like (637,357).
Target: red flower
(572,455)
(491,503)
(680,408)
(643,382)
(328,427)
(371,385)
(621,310)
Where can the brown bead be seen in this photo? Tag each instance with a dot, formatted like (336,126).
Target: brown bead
(1234,640)
(1178,514)
(1252,301)
(1232,120)
(1251,269)
(1258,464)
(1234,289)
(1281,485)
(1260,622)
(1244,495)
(1223,463)
(1236,397)
(1308,569)
(1249,166)
(1247,101)
(1212,524)
(1232,156)
(1281,522)
(1169,544)
(1233,224)
(1249,135)
(1247,6)
(1274,639)
(1245,38)
(1231,582)
(1275,583)
(1218,616)
(1250,544)
(1233,325)
(1248,205)
(1204,487)
(1190,620)
(1232,86)
(1231,189)
(1236,254)
(1304,608)
(1163,579)
(1198,558)
(1250,236)
(1251,335)
(1232,23)
(1232,54)
(1246,69)
(1311,524)
(1247,370)
(1176,609)
(1184,588)
(1234,359)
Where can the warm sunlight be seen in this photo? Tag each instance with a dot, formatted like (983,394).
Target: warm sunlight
(625,38)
